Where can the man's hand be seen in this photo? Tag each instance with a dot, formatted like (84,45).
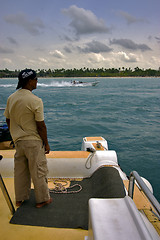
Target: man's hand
(42,131)
(47,149)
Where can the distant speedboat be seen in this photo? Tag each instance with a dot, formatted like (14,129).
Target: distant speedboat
(81,83)
(95,83)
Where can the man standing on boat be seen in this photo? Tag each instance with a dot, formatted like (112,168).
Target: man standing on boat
(25,118)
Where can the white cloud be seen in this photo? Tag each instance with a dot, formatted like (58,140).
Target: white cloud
(127,57)
(7,60)
(57,54)
(43,60)
(155,61)
(96,58)
(31,61)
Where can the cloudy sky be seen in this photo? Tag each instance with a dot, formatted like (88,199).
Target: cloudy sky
(43,34)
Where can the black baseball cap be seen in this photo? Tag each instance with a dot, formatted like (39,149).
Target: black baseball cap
(24,76)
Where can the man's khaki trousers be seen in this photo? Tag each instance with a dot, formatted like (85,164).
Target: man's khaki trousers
(30,163)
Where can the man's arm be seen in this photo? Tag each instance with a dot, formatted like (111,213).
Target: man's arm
(8,122)
(42,131)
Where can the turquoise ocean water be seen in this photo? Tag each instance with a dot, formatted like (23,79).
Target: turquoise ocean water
(125,111)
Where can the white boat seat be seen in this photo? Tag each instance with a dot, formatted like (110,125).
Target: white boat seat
(116,219)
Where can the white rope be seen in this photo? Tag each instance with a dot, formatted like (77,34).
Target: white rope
(89,160)
(60,188)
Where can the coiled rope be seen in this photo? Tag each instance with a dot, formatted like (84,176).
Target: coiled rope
(61,188)
(88,163)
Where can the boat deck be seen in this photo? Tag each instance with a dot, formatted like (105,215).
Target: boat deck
(16,232)
(76,159)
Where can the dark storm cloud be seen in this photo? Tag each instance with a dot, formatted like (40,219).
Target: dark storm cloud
(129,44)
(95,47)
(5,50)
(12,41)
(84,21)
(20,19)
(131,19)
(158,39)
(67,49)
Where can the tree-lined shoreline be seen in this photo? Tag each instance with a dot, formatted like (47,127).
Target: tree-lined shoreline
(87,72)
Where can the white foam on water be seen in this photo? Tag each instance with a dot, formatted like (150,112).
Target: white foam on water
(56,84)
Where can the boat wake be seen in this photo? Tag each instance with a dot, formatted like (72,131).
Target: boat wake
(8,85)
(67,84)
(55,84)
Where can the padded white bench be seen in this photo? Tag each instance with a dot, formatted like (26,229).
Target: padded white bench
(117,219)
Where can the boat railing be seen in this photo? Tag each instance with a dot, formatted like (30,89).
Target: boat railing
(135,176)
(5,193)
